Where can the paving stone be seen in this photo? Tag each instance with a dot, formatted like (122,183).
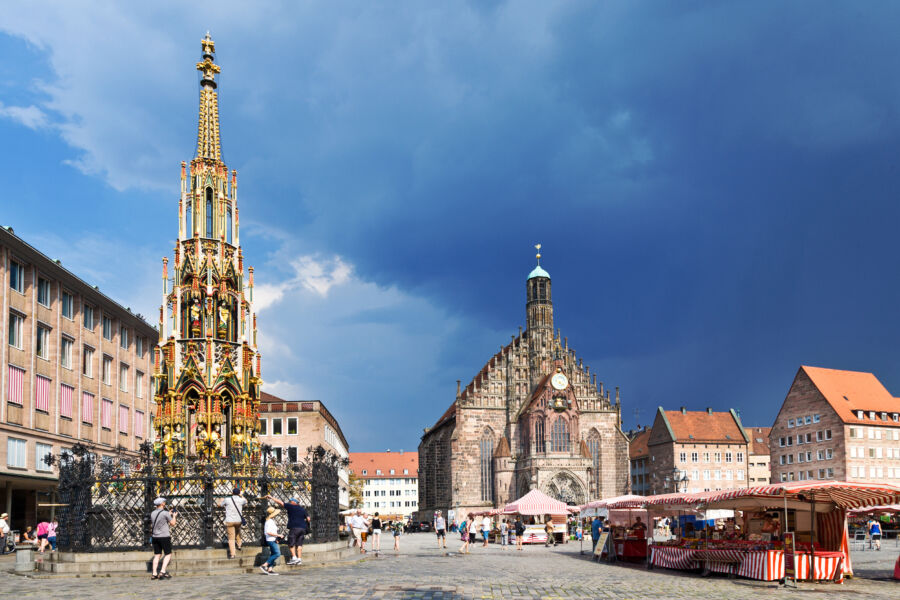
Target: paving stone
(423,572)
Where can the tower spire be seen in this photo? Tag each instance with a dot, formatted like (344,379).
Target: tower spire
(208,123)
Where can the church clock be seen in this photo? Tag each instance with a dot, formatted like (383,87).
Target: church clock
(559,381)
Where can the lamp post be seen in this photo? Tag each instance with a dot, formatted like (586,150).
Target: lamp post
(680,477)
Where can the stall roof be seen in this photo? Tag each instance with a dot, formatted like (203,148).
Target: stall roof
(844,494)
(627,501)
(536,502)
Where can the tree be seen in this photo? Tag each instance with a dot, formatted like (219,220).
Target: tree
(356,491)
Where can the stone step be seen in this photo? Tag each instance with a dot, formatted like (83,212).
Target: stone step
(247,550)
(283,569)
(209,562)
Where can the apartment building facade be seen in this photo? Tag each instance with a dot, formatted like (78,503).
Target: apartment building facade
(390,481)
(834,424)
(758,467)
(697,451)
(291,427)
(639,458)
(74,367)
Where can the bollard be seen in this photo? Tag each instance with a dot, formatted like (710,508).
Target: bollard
(24,560)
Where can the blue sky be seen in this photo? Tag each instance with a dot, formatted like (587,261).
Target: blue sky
(714,185)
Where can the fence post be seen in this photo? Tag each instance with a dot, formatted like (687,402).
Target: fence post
(208,505)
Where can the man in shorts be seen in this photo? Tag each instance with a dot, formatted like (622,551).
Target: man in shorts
(440,529)
(160,521)
(358,524)
(298,527)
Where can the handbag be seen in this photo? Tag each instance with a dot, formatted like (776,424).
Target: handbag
(240,512)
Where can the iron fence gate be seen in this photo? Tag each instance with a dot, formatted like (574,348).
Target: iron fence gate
(107,500)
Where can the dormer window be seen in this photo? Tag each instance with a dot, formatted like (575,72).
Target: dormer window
(896,417)
(365,472)
(872,414)
(859,414)
(884,416)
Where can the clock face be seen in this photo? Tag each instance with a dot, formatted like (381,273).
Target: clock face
(559,381)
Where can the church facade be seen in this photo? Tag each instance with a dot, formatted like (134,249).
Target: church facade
(535,416)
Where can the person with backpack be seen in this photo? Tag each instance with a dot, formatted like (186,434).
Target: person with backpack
(504,534)
(298,527)
(464,536)
(548,529)
(161,538)
(234,518)
(397,529)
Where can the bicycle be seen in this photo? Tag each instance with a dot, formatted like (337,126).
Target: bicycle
(11,541)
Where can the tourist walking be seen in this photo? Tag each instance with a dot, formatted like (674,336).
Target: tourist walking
(548,529)
(473,529)
(51,533)
(4,532)
(270,529)
(440,529)
(486,529)
(297,525)
(596,526)
(504,534)
(376,533)
(464,536)
(358,524)
(396,530)
(234,518)
(41,532)
(161,519)
(874,528)
(520,532)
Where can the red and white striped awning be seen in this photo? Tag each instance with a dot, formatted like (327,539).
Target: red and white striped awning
(536,502)
(627,501)
(844,494)
(887,508)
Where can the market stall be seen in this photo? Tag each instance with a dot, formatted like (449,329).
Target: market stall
(814,513)
(535,507)
(623,512)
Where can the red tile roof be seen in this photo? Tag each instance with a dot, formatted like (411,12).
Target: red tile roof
(849,391)
(372,462)
(637,448)
(759,439)
(704,426)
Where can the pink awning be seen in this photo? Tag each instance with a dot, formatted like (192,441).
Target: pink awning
(627,501)
(536,502)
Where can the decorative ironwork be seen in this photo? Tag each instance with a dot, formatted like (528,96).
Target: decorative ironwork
(108,499)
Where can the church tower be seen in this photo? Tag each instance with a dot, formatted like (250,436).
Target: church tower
(539,320)
(207,367)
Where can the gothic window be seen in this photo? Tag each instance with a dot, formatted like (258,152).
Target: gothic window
(559,437)
(593,445)
(209,212)
(540,444)
(542,290)
(229,220)
(486,445)
(188,224)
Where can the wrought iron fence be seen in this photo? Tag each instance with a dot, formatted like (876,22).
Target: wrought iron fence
(108,500)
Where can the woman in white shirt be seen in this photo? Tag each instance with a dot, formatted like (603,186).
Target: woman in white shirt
(271,531)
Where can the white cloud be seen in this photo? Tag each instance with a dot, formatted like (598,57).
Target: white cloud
(286,390)
(31,117)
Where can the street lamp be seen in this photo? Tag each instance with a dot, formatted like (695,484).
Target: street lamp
(679,477)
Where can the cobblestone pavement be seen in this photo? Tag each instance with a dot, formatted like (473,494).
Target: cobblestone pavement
(422,572)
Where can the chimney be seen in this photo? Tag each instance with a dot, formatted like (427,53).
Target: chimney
(708,410)
(458,383)
(683,410)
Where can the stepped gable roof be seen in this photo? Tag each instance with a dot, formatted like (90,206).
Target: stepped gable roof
(704,426)
(637,448)
(851,391)
(373,462)
(759,439)
(502,450)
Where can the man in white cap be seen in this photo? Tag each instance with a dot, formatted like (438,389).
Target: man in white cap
(160,520)
(4,531)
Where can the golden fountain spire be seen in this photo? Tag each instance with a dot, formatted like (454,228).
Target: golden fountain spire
(208,124)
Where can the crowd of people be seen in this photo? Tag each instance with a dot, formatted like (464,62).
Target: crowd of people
(362,527)
(298,523)
(41,537)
